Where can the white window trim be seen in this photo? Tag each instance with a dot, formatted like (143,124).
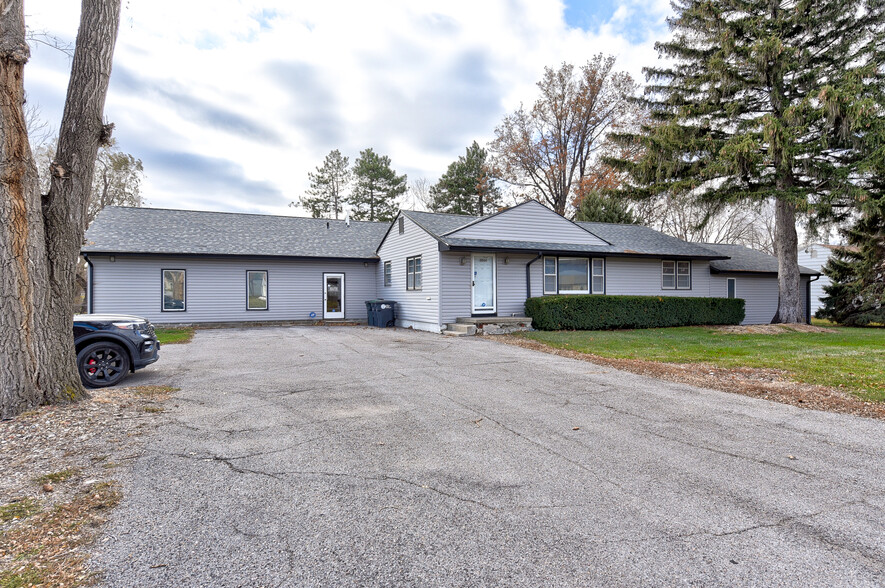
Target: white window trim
(663,263)
(688,274)
(592,275)
(734,280)
(163,291)
(266,290)
(387,271)
(589,277)
(555,274)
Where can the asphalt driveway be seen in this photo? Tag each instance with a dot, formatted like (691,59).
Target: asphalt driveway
(352,456)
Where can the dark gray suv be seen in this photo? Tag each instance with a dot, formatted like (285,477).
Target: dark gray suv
(109,346)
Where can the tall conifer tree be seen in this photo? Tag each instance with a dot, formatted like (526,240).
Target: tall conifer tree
(376,187)
(327,186)
(767,99)
(467,187)
(856,294)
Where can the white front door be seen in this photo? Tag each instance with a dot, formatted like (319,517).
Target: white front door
(333,296)
(483,283)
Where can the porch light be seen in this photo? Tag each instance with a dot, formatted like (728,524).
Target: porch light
(463,260)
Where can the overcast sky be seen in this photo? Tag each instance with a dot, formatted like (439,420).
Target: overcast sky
(229,104)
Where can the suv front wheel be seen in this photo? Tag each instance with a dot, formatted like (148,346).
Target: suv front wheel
(102,364)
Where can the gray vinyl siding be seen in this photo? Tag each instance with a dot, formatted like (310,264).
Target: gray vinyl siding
(815,257)
(758,291)
(420,306)
(510,280)
(529,222)
(216,288)
(625,276)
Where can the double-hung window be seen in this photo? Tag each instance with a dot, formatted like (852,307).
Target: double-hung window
(388,274)
(598,267)
(174,290)
(256,290)
(413,273)
(550,275)
(574,275)
(675,275)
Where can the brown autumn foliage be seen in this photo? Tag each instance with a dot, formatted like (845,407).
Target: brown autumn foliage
(550,148)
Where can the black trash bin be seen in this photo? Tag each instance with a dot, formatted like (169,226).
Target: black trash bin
(381,313)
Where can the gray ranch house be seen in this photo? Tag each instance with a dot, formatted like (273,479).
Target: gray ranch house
(179,266)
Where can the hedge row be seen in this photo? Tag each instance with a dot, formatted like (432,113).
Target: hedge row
(594,312)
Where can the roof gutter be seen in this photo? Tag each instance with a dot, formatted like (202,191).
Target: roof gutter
(528,275)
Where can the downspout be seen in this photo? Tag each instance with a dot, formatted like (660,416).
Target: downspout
(89,277)
(528,275)
(808,299)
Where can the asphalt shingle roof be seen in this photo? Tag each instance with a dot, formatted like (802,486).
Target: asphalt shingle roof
(642,240)
(437,223)
(154,230)
(744,259)
(625,239)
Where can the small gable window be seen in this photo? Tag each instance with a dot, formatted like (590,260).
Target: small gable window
(402,225)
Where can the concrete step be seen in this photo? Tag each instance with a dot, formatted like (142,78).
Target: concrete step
(448,333)
(461,328)
(494,320)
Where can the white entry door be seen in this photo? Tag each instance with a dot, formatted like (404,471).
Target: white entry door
(333,296)
(484,283)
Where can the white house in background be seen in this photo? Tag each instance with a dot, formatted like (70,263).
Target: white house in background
(815,257)
(180,266)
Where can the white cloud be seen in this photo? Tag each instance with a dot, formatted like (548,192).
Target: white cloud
(230,104)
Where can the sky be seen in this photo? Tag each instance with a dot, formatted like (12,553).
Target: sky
(229,104)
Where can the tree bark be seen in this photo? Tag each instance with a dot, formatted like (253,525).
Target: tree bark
(40,238)
(789,303)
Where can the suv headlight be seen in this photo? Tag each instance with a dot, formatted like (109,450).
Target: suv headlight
(131,325)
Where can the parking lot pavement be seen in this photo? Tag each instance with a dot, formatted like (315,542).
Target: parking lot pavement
(345,456)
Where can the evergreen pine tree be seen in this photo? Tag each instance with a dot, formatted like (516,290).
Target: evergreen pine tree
(766,99)
(856,294)
(376,188)
(603,208)
(327,186)
(467,186)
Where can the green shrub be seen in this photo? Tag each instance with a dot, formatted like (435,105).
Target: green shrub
(594,312)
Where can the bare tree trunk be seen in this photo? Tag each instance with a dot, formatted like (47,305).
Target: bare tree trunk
(40,238)
(789,303)
(22,305)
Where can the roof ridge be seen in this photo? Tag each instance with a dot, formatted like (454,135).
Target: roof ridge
(230,212)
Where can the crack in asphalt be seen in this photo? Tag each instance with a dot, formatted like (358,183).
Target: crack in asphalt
(549,450)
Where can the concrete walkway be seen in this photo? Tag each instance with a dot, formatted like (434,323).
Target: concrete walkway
(309,456)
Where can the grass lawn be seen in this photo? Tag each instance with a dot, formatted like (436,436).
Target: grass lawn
(850,359)
(169,336)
